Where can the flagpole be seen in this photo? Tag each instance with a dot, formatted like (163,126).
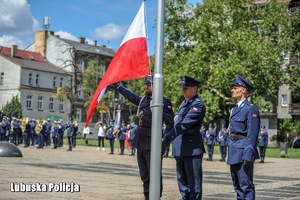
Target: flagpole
(157,105)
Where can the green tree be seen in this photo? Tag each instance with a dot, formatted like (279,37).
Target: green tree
(13,108)
(217,40)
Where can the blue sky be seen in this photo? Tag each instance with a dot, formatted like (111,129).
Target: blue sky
(103,20)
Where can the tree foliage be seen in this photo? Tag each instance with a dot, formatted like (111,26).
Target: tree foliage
(217,40)
(13,108)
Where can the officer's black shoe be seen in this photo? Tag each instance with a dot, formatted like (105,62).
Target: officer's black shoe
(69,149)
(146,197)
(39,147)
(111,153)
(54,148)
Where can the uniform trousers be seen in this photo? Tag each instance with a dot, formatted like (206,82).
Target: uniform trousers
(210,149)
(189,176)
(243,181)
(223,151)
(2,136)
(41,140)
(143,159)
(262,151)
(122,145)
(112,144)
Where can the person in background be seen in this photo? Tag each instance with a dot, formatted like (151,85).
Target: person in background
(133,131)
(211,137)
(262,143)
(223,139)
(70,133)
(122,137)
(110,135)
(101,135)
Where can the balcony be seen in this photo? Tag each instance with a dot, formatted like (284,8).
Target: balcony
(294,108)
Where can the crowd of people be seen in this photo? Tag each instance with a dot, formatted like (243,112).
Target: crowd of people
(31,132)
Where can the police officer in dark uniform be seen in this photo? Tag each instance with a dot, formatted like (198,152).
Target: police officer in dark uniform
(223,139)
(122,137)
(244,128)
(70,133)
(262,143)
(211,136)
(187,140)
(132,132)
(142,140)
(110,135)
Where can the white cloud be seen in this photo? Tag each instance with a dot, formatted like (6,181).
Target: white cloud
(110,32)
(8,40)
(16,18)
(66,35)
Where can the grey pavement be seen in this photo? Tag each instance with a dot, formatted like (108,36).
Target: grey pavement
(99,175)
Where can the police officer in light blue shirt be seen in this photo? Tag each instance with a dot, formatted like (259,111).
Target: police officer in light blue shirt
(122,137)
(243,128)
(262,143)
(187,146)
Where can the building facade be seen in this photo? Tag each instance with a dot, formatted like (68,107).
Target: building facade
(35,80)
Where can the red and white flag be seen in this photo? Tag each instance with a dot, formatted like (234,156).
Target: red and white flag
(130,61)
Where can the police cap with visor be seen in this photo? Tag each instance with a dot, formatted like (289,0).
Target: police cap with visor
(243,82)
(189,81)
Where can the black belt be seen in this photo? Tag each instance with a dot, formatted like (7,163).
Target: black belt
(142,123)
(236,137)
(191,131)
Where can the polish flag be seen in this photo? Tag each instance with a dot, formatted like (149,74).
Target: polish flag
(130,61)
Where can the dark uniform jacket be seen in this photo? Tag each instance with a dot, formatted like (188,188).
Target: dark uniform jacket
(142,139)
(188,140)
(245,121)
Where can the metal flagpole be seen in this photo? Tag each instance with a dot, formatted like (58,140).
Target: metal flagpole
(157,105)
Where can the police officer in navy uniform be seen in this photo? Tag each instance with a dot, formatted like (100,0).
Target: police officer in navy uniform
(70,133)
(211,136)
(223,139)
(142,139)
(133,131)
(262,143)
(243,128)
(122,137)
(187,140)
(110,135)
(62,132)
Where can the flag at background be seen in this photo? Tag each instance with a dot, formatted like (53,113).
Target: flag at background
(118,117)
(130,61)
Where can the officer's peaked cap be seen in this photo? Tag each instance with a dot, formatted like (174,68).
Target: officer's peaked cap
(223,126)
(112,120)
(149,79)
(262,126)
(243,82)
(210,125)
(188,81)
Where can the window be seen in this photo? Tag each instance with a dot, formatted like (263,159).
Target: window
(29,102)
(79,91)
(54,82)
(78,115)
(37,80)
(51,104)
(30,79)
(284,101)
(61,82)
(61,105)
(40,103)
(2,78)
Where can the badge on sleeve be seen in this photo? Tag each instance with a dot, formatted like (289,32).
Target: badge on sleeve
(195,109)
(254,116)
